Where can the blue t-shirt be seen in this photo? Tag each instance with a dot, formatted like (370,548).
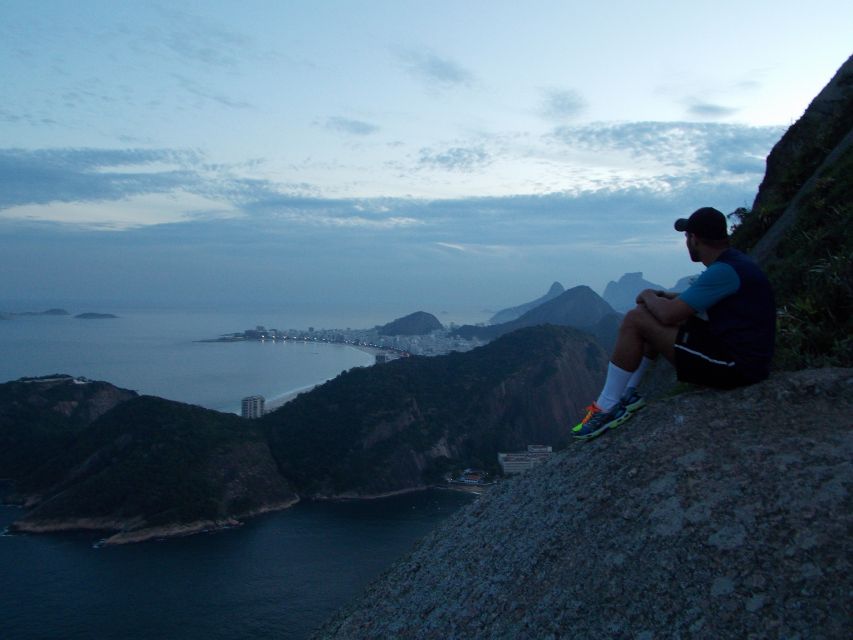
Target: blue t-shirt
(718,281)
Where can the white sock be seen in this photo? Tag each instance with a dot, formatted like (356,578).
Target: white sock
(638,374)
(614,386)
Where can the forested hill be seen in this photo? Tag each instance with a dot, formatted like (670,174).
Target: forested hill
(404,424)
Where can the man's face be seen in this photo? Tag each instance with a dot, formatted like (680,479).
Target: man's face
(692,246)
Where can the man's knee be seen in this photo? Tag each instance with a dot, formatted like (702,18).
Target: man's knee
(638,316)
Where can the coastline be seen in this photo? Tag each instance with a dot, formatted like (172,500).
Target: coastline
(279,400)
(131,531)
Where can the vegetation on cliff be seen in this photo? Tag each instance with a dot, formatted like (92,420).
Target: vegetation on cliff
(808,252)
(404,424)
(146,462)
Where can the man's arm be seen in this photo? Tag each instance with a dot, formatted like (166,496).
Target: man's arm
(667,310)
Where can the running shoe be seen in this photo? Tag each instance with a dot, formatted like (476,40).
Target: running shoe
(601,422)
(632,401)
(591,410)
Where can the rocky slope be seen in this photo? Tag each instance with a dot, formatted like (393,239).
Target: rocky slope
(708,515)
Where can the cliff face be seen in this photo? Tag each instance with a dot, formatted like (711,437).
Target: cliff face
(709,515)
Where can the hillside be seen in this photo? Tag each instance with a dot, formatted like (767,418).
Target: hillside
(419,323)
(143,467)
(507,315)
(579,307)
(403,425)
(800,229)
(40,417)
(709,515)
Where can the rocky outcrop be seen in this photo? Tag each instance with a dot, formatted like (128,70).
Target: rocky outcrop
(708,515)
(622,294)
(508,315)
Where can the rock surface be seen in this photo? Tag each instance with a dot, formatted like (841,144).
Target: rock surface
(708,515)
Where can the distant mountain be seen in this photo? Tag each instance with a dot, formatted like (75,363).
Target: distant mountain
(49,312)
(419,323)
(683,283)
(508,315)
(95,316)
(579,307)
(622,295)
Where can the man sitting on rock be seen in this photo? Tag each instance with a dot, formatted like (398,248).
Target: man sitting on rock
(733,347)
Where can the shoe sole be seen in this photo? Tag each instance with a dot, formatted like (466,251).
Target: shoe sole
(630,410)
(608,425)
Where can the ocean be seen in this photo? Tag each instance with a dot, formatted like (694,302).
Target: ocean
(160,353)
(280,575)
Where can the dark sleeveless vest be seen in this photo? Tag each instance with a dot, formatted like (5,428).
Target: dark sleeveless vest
(745,322)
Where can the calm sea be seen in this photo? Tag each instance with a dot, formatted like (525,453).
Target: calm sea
(159,353)
(278,576)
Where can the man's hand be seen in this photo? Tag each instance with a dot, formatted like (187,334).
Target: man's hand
(666,307)
(645,293)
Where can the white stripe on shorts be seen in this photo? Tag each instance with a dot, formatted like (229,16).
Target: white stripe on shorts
(703,356)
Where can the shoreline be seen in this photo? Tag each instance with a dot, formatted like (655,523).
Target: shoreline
(123,536)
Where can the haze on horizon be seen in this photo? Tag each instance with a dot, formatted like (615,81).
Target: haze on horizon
(381,157)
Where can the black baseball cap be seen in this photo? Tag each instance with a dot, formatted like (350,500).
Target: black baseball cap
(706,223)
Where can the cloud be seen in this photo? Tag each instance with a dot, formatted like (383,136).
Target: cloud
(354,127)
(710,111)
(195,38)
(83,175)
(437,71)
(560,104)
(209,95)
(455,158)
(688,148)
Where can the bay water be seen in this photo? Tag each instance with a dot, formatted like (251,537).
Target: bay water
(280,575)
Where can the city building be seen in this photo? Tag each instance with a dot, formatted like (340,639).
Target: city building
(252,407)
(522,461)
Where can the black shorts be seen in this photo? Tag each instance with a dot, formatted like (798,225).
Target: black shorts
(700,358)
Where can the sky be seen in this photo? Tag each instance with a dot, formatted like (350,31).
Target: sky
(358,161)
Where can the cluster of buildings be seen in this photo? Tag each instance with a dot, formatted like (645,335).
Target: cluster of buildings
(436,343)
(536,454)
